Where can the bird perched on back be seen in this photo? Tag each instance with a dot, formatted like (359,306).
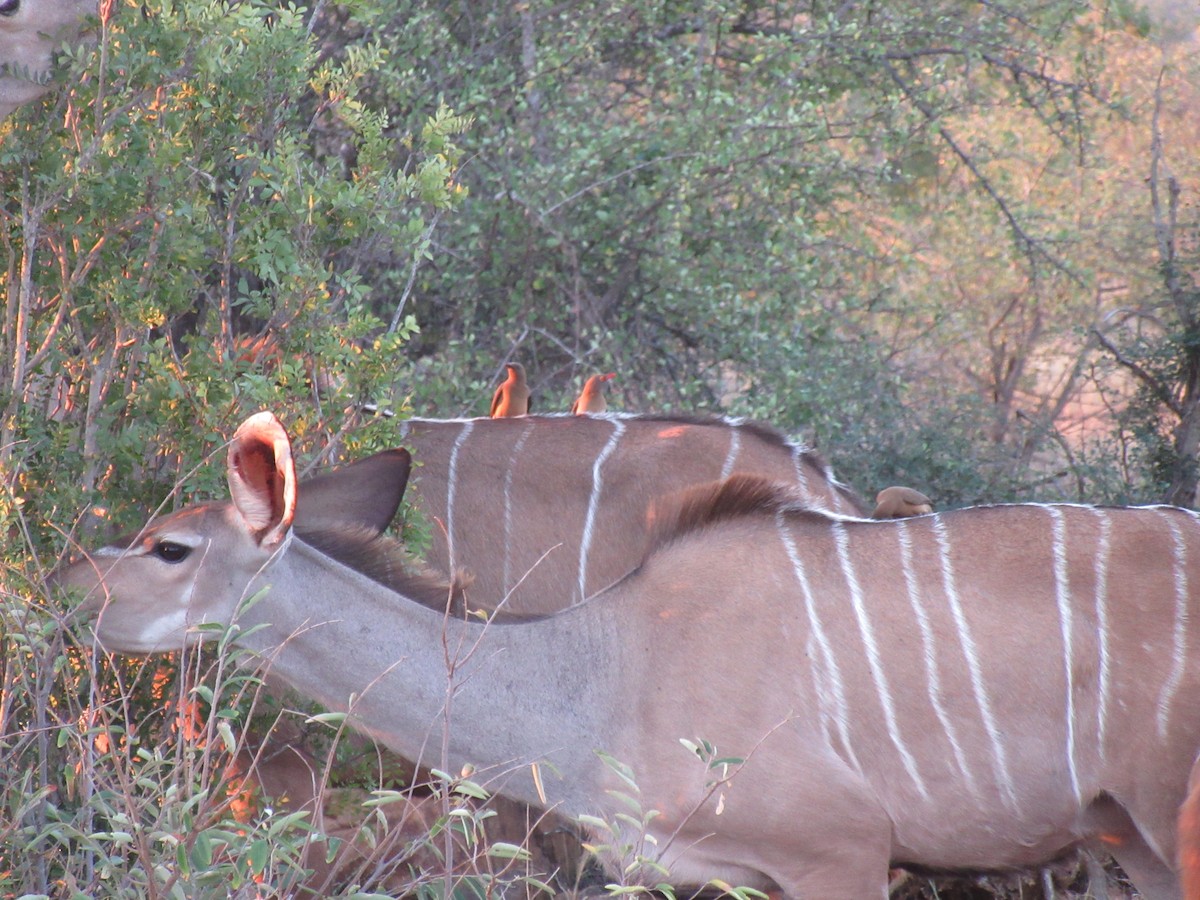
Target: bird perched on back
(512,396)
(591,399)
(900,503)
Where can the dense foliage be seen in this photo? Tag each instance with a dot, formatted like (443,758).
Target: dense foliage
(762,209)
(186,225)
(953,245)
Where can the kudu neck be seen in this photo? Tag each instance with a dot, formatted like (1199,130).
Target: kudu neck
(523,692)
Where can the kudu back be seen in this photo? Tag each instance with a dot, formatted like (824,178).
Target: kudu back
(978,689)
(543,511)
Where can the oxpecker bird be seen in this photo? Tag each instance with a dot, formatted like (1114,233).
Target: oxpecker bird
(512,397)
(900,503)
(591,400)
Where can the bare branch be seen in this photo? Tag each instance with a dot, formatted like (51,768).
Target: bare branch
(1030,245)
(417,256)
(1164,234)
(1155,385)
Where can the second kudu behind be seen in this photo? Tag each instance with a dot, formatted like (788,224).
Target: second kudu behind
(979,689)
(546,510)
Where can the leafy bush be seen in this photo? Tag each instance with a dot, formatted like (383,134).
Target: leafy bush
(186,224)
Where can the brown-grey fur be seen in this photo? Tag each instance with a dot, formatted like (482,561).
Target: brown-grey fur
(977,689)
(523,490)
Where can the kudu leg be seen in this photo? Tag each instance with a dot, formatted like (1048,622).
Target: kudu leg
(829,839)
(1153,880)
(1120,836)
(842,849)
(852,867)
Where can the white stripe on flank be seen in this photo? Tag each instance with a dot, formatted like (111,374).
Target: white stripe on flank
(508,480)
(832,483)
(1179,643)
(1062,599)
(735,445)
(452,489)
(831,678)
(842,541)
(594,503)
(999,761)
(1102,551)
(929,647)
(798,465)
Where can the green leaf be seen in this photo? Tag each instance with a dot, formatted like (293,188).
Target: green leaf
(327,718)
(471,789)
(258,855)
(201,855)
(594,822)
(502,850)
(227,738)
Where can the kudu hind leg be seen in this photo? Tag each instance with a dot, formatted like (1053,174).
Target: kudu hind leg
(827,838)
(855,869)
(1117,833)
(842,852)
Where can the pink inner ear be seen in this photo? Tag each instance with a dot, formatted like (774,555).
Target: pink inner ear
(262,478)
(256,463)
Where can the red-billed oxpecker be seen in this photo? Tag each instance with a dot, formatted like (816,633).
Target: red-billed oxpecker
(591,400)
(512,396)
(900,503)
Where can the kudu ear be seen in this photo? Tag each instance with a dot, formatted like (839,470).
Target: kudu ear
(262,478)
(366,493)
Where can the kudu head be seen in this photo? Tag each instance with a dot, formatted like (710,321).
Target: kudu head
(29,32)
(201,559)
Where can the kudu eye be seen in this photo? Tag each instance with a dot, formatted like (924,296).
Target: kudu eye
(9,7)
(171,552)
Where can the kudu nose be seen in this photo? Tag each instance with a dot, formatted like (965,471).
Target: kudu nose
(79,577)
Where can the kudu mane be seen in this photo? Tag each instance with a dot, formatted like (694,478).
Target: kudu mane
(736,497)
(384,560)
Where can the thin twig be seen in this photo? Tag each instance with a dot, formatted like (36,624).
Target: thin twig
(1031,245)
(418,255)
(1147,378)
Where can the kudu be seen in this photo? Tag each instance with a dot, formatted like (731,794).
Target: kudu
(29,32)
(1188,850)
(976,689)
(546,510)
